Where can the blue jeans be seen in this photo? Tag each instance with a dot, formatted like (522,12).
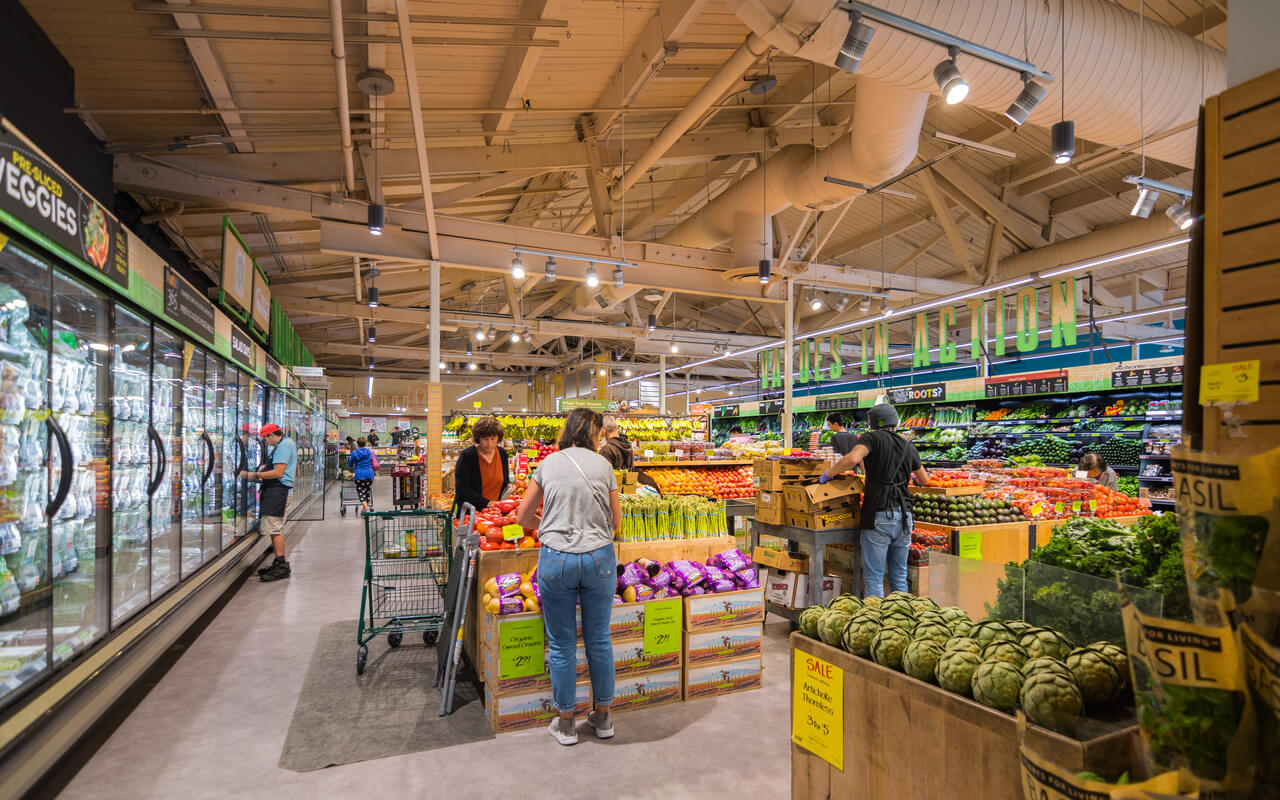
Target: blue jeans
(566,580)
(886,545)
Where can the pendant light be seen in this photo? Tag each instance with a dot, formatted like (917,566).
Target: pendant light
(592,279)
(549,272)
(517,268)
(1062,137)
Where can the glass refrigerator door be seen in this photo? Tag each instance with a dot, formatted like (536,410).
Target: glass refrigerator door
(194,457)
(211,483)
(167,465)
(24,470)
(231,444)
(132,465)
(80,536)
(252,404)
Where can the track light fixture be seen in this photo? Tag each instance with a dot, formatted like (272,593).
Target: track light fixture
(1180,215)
(1146,201)
(517,268)
(603,372)
(865,305)
(549,272)
(815,302)
(471,365)
(373,333)
(675,348)
(1062,139)
(618,283)
(528,337)
(373,296)
(617,354)
(515,336)
(626,373)
(884,306)
(593,280)
(369,361)
(377,218)
(842,302)
(1026,102)
(468,347)
(479,336)
(855,44)
(952,84)
(493,333)
(443,365)
(653,322)
(766,268)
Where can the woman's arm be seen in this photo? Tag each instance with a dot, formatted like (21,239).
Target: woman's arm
(615,505)
(527,514)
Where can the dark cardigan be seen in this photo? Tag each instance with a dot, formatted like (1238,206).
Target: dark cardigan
(467,482)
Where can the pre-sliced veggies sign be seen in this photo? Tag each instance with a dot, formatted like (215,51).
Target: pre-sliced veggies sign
(521,648)
(662,620)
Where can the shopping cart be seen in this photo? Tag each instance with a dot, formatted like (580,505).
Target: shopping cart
(406,487)
(347,494)
(406,572)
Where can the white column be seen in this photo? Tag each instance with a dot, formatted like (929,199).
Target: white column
(662,384)
(790,324)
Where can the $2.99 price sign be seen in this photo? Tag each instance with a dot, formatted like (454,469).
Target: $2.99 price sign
(521,648)
(662,620)
(817,708)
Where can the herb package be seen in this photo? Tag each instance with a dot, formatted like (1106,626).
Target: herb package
(1262,673)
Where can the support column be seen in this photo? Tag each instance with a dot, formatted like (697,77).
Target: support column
(789,324)
(662,384)
(435,391)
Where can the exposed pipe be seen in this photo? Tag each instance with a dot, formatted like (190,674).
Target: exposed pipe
(707,96)
(344,102)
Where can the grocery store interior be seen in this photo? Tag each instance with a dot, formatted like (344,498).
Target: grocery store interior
(373,255)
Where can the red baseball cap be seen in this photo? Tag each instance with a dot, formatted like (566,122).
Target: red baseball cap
(268,429)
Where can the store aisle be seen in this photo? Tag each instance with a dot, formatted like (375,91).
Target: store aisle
(215,724)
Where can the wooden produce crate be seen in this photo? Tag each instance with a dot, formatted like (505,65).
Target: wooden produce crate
(771,474)
(909,740)
(1234,299)
(1001,541)
(675,549)
(947,491)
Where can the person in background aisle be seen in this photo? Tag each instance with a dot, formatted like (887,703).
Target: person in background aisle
(616,449)
(279,462)
(1095,466)
(351,444)
(890,461)
(482,473)
(841,440)
(576,566)
(360,462)
(372,438)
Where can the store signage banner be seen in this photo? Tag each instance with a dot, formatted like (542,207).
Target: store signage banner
(811,356)
(184,305)
(1051,382)
(272,371)
(35,192)
(237,267)
(261,301)
(570,403)
(378,424)
(924,393)
(242,347)
(1149,376)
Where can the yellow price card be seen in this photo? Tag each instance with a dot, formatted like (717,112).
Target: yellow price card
(817,708)
(512,533)
(1234,382)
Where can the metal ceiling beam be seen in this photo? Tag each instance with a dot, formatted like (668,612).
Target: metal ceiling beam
(298,37)
(422,354)
(209,69)
(278,12)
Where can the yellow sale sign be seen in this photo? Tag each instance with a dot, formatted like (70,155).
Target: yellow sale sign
(817,708)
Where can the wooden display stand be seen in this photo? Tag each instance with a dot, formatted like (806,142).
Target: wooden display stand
(1238,287)
(1001,541)
(909,740)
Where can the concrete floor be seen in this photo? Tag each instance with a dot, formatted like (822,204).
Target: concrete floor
(215,724)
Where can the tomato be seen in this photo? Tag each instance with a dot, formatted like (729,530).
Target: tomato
(526,542)
(485,544)
(494,535)
(507,506)
(507,546)
(483,526)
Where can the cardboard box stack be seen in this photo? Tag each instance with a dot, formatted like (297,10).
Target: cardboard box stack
(722,641)
(518,693)
(788,493)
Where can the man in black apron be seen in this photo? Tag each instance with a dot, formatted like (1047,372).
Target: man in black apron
(890,461)
(279,462)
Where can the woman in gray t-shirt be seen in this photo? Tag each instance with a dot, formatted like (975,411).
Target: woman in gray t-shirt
(580,510)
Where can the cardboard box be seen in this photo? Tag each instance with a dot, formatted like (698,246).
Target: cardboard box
(723,610)
(780,587)
(634,692)
(770,507)
(529,710)
(831,586)
(627,623)
(780,559)
(630,478)
(528,683)
(824,521)
(772,474)
(837,494)
(729,677)
(728,644)
(629,659)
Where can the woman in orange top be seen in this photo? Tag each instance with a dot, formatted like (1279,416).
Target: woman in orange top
(482,473)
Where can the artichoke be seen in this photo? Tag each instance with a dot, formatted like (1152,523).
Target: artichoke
(962,643)
(950,613)
(898,605)
(991,630)
(846,603)
(857,636)
(1118,657)
(930,616)
(955,670)
(831,624)
(931,630)
(867,612)
(997,684)
(960,627)
(1051,700)
(920,659)
(1045,664)
(1045,642)
(923,604)
(899,596)
(888,646)
(809,620)
(1018,626)
(957,620)
(897,620)
(872,601)
(1096,674)
(1011,652)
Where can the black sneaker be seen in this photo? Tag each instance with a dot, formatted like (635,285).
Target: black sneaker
(276,572)
(278,560)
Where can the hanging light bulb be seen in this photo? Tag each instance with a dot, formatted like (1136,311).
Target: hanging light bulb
(373,332)
(493,333)
(617,354)
(1026,102)
(592,279)
(618,283)
(950,81)
(766,267)
(603,372)
(377,218)
(675,348)
(1180,215)
(373,297)
(1063,141)
(626,373)
(515,336)
(549,272)
(653,322)
(479,334)
(855,44)
(517,268)
(865,305)
(468,347)
(471,365)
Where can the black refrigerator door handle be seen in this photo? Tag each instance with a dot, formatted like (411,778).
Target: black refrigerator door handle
(161,462)
(65,467)
(244,455)
(209,469)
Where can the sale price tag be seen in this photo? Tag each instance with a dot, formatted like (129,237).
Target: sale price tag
(512,533)
(1093,505)
(531,453)
(817,708)
(1075,506)
(1057,507)
(1234,382)
(1037,510)
(662,620)
(521,648)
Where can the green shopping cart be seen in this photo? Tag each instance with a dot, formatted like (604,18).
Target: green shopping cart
(406,572)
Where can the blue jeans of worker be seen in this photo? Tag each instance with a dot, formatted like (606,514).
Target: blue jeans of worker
(886,546)
(567,580)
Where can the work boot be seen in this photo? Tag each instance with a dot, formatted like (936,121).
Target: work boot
(278,560)
(277,571)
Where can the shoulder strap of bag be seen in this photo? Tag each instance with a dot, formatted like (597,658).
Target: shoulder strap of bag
(604,501)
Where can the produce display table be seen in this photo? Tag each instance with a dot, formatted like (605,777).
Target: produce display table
(817,541)
(905,739)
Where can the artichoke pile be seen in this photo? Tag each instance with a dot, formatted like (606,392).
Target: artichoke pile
(1002,664)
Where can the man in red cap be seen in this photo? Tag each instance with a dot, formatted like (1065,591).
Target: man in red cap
(279,462)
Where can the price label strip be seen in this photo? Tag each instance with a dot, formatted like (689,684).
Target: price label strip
(817,708)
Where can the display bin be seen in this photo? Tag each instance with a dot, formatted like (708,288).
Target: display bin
(909,740)
(999,542)
(665,550)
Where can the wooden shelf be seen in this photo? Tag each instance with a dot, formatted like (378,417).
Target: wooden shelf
(728,462)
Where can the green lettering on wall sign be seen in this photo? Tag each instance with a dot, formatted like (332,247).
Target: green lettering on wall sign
(946,347)
(1000,324)
(1062,312)
(882,346)
(977,321)
(921,358)
(837,365)
(804,375)
(1028,309)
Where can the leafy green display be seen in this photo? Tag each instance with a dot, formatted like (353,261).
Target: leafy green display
(1231,548)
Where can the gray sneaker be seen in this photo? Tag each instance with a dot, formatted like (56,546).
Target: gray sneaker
(603,723)
(563,732)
